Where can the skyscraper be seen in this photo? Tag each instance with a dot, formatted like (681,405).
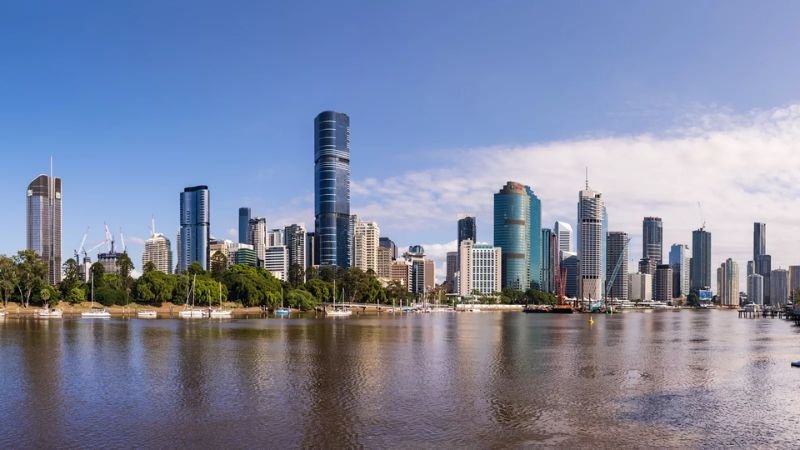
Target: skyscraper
(662,283)
(591,222)
(480,269)
(701,260)
(679,260)
(764,268)
(652,239)
(43,199)
(762,262)
(563,231)
(277,262)
(618,253)
(759,240)
(366,242)
(512,234)
(755,289)
(467,230)
(332,187)
(794,281)
(778,287)
(548,264)
(257,237)
(157,250)
(295,237)
(535,252)
(728,283)
(244,224)
(195,227)
(570,262)
(385,242)
(450,278)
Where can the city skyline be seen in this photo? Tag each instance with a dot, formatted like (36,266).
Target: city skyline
(253,120)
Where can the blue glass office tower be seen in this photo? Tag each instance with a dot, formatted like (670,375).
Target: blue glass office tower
(535,253)
(244,221)
(512,233)
(332,188)
(195,227)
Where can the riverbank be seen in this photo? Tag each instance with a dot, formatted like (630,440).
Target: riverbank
(165,309)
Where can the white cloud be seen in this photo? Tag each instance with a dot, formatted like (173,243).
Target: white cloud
(740,168)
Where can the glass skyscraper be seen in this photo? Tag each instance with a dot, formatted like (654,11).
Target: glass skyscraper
(701,260)
(512,233)
(244,224)
(535,224)
(653,239)
(43,201)
(332,187)
(195,227)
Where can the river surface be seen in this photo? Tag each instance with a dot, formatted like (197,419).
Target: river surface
(441,380)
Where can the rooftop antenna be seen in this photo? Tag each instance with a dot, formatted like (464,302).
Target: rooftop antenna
(587,178)
(153,225)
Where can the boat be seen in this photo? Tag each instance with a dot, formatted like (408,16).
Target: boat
(536,309)
(220,313)
(147,314)
(95,313)
(190,312)
(339,311)
(49,313)
(563,309)
(795,363)
(283,310)
(2,313)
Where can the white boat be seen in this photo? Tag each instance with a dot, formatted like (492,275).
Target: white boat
(100,313)
(2,313)
(220,313)
(340,311)
(190,312)
(283,310)
(47,313)
(147,314)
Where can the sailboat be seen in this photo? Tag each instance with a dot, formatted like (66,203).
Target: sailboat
(189,312)
(340,311)
(100,313)
(283,310)
(220,313)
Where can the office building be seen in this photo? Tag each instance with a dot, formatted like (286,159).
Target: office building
(401,271)
(43,223)
(755,289)
(312,257)
(384,263)
(244,225)
(617,258)
(512,234)
(422,276)
(679,259)
(778,287)
(450,278)
(479,271)
(389,244)
(759,240)
(662,283)
(728,283)
(157,250)
(549,242)
(332,187)
(257,237)
(701,260)
(751,268)
(764,268)
(641,287)
(592,221)
(570,262)
(195,223)
(275,237)
(277,262)
(467,230)
(794,281)
(563,232)
(535,252)
(366,240)
(295,238)
(647,265)
(243,254)
(652,239)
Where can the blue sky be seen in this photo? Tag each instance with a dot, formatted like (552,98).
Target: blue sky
(136,100)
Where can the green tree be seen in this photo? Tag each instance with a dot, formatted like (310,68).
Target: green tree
(72,277)
(96,272)
(396,292)
(219,265)
(301,299)
(8,278)
(75,295)
(149,266)
(195,269)
(320,290)
(296,275)
(693,300)
(31,272)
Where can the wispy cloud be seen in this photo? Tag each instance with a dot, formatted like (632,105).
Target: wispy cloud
(741,168)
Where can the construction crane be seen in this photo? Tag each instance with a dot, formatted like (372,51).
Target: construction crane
(122,240)
(80,248)
(610,282)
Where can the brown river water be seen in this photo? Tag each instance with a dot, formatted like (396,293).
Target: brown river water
(439,380)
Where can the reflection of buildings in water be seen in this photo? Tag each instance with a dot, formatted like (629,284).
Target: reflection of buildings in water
(42,349)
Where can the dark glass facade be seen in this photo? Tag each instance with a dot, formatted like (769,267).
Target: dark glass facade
(244,223)
(195,227)
(512,233)
(653,239)
(535,222)
(332,187)
(385,242)
(701,260)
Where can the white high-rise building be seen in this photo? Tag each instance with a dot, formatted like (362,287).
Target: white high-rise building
(591,239)
(563,232)
(366,239)
(640,286)
(680,258)
(257,237)
(755,289)
(728,283)
(276,237)
(277,261)
(479,269)
(158,251)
